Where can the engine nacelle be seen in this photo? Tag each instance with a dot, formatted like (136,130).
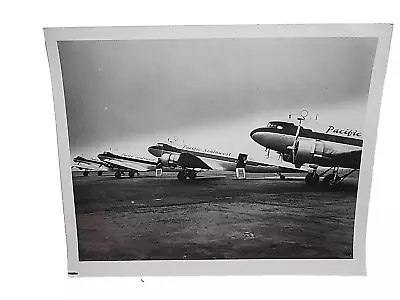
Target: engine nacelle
(169,159)
(308,151)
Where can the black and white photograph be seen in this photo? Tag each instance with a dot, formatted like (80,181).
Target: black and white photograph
(216,148)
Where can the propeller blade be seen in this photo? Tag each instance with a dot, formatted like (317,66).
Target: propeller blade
(295,146)
(159,164)
(159,168)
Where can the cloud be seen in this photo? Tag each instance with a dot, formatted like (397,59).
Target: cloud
(125,91)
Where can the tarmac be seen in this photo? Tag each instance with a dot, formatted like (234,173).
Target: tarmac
(214,217)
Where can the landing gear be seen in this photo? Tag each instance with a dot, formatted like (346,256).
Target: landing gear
(118,174)
(282,177)
(85,173)
(312,178)
(181,176)
(191,174)
(331,180)
(99,173)
(131,174)
(334,179)
(184,174)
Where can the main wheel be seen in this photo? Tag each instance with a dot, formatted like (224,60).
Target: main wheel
(312,179)
(85,173)
(282,177)
(192,175)
(131,174)
(331,181)
(117,174)
(181,176)
(100,173)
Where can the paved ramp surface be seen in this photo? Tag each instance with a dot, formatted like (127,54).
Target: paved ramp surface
(214,217)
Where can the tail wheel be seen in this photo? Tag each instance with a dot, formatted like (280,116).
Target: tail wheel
(117,174)
(131,174)
(85,173)
(100,173)
(312,179)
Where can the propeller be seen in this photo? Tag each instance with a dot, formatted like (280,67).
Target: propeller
(295,145)
(159,167)
(159,164)
(267,152)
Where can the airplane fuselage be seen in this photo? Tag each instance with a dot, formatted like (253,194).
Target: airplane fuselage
(210,159)
(320,148)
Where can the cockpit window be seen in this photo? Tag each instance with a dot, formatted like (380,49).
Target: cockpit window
(274,125)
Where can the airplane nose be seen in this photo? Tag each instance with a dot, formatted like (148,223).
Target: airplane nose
(256,135)
(254,131)
(153,150)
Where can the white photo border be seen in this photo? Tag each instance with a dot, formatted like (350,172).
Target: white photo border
(355,266)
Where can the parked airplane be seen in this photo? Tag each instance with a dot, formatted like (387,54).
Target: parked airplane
(335,147)
(125,163)
(189,160)
(89,165)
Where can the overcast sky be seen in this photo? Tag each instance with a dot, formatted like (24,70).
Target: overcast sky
(212,92)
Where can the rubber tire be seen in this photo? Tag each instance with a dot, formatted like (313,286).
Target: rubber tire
(85,173)
(118,174)
(99,173)
(181,176)
(327,181)
(282,177)
(131,174)
(192,175)
(312,179)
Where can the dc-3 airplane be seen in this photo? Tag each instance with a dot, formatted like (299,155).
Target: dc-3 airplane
(189,160)
(125,163)
(89,165)
(334,148)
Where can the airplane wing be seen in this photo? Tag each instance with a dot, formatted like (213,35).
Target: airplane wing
(284,166)
(88,168)
(192,161)
(128,165)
